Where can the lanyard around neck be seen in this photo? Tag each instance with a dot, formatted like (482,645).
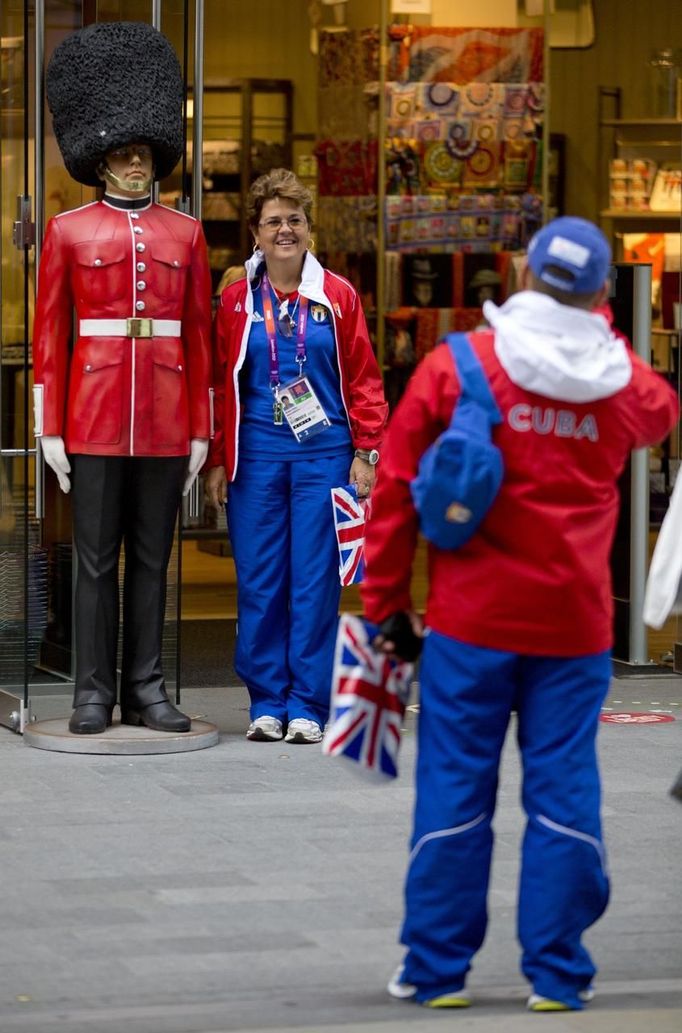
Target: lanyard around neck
(271,332)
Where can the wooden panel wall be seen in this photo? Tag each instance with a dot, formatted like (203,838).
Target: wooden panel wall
(625,35)
(263,39)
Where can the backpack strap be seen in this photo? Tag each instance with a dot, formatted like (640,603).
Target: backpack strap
(472,378)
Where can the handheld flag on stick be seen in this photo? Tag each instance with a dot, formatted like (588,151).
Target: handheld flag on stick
(369,695)
(349,521)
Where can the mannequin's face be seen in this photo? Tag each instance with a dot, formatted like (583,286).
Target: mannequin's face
(131,164)
(423,292)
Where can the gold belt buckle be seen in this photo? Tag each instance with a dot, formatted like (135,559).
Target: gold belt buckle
(138,327)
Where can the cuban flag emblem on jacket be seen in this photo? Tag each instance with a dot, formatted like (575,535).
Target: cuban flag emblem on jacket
(368,700)
(350,514)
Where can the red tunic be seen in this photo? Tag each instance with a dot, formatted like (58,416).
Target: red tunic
(114,394)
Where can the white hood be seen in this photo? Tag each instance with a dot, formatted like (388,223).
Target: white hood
(555,350)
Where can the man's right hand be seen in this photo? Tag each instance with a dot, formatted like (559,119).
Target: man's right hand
(400,635)
(56,458)
(215,486)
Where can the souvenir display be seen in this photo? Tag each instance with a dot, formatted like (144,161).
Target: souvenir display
(441,98)
(456,222)
(346,167)
(348,58)
(464,115)
(462,152)
(423,53)
(486,137)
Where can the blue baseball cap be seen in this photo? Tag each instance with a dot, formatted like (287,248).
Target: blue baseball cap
(576,247)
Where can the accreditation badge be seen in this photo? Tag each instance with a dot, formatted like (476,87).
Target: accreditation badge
(301,409)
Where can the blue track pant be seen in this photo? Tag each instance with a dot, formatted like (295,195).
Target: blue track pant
(467,694)
(286,558)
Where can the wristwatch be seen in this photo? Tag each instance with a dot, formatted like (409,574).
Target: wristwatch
(370,456)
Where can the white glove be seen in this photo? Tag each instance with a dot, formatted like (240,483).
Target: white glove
(55,457)
(198,450)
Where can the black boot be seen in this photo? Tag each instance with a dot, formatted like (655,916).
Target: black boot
(90,719)
(162,717)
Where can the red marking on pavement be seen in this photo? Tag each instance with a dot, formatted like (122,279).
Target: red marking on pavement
(634,717)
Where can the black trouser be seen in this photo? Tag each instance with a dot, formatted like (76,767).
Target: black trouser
(135,501)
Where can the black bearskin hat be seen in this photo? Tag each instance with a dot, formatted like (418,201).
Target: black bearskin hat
(112,84)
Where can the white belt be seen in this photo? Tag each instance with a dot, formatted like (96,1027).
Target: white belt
(133,327)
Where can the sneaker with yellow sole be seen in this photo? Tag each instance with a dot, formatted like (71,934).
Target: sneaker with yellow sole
(536,1002)
(402,991)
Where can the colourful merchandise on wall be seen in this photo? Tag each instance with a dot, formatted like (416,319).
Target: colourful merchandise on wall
(485,55)
(464,111)
(463,161)
(348,58)
(347,148)
(347,168)
(461,222)
(464,114)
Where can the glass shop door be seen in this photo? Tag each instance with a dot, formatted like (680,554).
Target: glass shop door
(37,653)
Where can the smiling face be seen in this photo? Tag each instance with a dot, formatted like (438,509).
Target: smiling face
(281,240)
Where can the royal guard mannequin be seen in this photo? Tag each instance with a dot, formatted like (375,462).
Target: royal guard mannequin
(123,412)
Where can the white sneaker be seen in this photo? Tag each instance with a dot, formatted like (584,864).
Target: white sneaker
(265,729)
(302,730)
(398,989)
(536,1002)
(402,991)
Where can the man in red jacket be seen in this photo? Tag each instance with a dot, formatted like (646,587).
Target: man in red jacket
(518,620)
(124,413)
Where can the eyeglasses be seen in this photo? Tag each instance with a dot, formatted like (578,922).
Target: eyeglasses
(143,152)
(294,222)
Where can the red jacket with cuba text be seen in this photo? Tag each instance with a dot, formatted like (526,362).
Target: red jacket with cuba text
(113,394)
(535,578)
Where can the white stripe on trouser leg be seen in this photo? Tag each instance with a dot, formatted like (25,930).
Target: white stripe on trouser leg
(564,830)
(442,833)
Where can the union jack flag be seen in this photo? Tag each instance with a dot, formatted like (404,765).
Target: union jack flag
(369,696)
(349,522)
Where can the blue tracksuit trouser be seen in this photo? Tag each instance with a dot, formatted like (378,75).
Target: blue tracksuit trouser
(286,558)
(467,695)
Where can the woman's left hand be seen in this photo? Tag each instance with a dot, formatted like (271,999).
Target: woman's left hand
(362,475)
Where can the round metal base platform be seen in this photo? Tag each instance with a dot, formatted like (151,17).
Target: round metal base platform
(119,739)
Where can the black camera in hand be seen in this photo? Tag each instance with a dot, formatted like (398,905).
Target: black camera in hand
(398,629)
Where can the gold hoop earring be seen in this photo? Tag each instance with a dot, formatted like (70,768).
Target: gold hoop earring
(311,244)
(255,246)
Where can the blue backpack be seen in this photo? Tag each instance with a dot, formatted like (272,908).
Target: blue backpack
(460,473)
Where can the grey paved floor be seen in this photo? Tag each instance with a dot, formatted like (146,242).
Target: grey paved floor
(258,887)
